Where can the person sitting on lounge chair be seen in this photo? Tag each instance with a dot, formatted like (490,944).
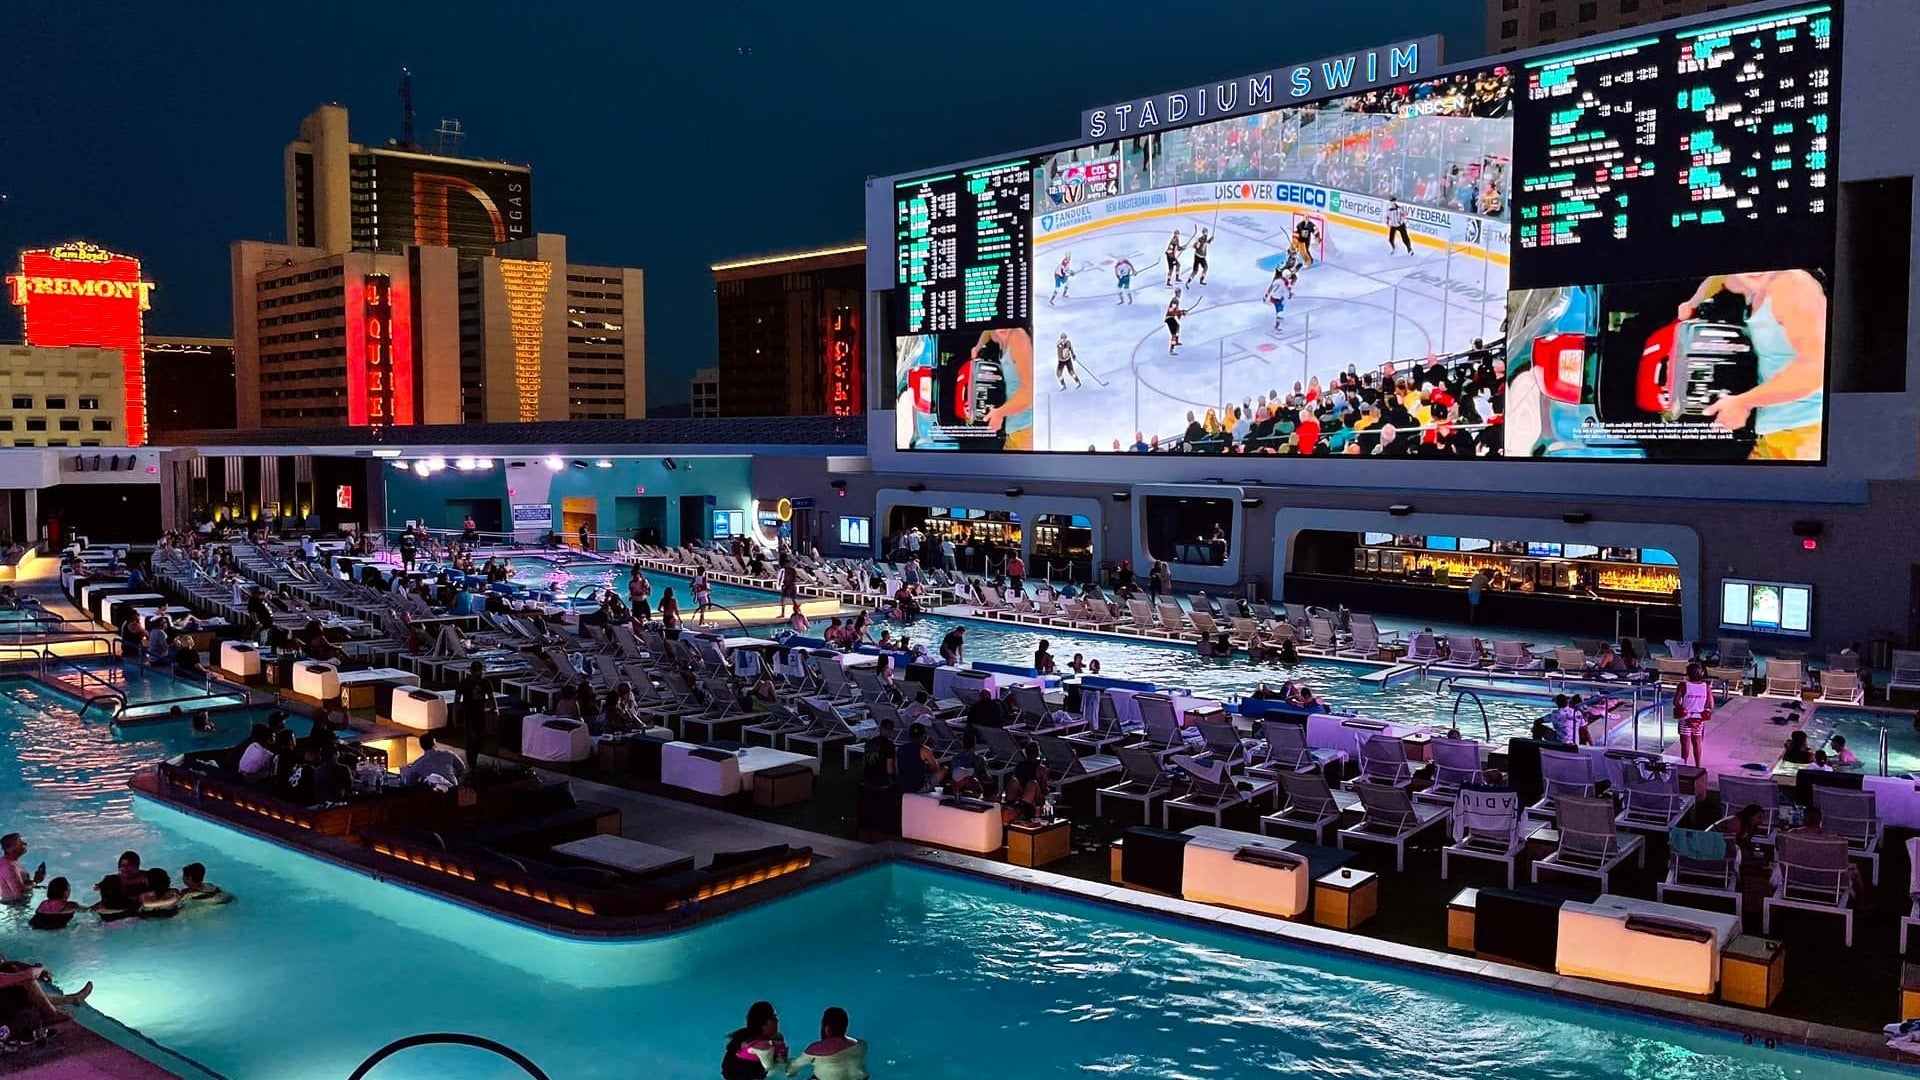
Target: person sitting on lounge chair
(433,764)
(1026,786)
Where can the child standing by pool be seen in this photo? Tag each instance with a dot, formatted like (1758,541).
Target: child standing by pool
(702,595)
(1692,705)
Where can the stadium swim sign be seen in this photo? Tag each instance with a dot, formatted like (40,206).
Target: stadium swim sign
(1296,84)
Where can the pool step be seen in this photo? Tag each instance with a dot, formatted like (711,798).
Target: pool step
(1385,677)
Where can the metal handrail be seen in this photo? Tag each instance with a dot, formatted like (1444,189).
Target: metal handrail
(1486,725)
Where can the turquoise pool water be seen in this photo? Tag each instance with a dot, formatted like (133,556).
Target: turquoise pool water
(313,967)
(1862,730)
(571,576)
(1413,701)
(149,691)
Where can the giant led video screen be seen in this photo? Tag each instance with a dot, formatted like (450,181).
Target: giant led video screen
(1621,251)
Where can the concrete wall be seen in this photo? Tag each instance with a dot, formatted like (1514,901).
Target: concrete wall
(727,480)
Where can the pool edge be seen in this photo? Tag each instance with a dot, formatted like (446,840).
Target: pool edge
(1752,1025)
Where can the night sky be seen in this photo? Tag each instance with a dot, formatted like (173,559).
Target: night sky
(665,136)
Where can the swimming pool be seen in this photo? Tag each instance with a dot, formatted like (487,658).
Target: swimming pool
(1862,730)
(572,575)
(948,976)
(1412,701)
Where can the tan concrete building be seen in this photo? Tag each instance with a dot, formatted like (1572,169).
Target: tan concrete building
(516,336)
(303,355)
(546,339)
(62,397)
(1522,24)
(343,196)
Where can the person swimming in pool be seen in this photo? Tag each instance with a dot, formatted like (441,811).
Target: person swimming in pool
(193,885)
(753,1050)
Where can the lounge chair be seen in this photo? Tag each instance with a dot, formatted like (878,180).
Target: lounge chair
(1702,864)
(1590,844)
(1785,679)
(1852,815)
(1224,743)
(1489,824)
(1734,653)
(1906,671)
(1739,792)
(1312,805)
(1106,731)
(1383,761)
(1670,672)
(1288,752)
(1841,688)
(1564,773)
(1456,764)
(1213,789)
(1513,656)
(1424,649)
(1811,873)
(1065,766)
(1390,816)
(1364,643)
(1654,803)
(1570,661)
(1146,781)
(1162,724)
(1463,650)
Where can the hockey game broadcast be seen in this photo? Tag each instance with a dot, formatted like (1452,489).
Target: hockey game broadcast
(1616,251)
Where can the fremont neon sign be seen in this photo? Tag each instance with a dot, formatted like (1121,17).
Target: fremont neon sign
(79,295)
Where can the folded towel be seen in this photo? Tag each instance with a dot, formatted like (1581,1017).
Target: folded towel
(1698,845)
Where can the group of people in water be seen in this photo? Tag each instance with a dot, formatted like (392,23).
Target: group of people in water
(29,1003)
(758,1049)
(131,891)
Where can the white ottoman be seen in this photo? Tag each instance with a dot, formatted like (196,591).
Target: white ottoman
(316,680)
(241,658)
(419,710)
(700,768)
(1246,871)
(552,738)
(1621,939)
(960,824)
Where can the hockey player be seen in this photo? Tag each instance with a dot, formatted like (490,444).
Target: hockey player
(1064,359)
(1199,269)
(1304,234)
(1060,275)
(1123,280)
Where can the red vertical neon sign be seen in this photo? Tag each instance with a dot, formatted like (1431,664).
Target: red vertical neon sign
(380,388)
(842,383)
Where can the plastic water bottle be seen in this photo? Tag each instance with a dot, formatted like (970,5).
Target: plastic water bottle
(1046,809)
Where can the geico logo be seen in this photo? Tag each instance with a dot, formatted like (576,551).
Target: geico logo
(1268,192)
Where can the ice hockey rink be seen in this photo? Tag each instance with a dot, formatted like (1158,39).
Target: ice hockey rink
(1362,306)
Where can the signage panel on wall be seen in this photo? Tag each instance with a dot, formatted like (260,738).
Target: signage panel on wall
(79,295)
(1621,250)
